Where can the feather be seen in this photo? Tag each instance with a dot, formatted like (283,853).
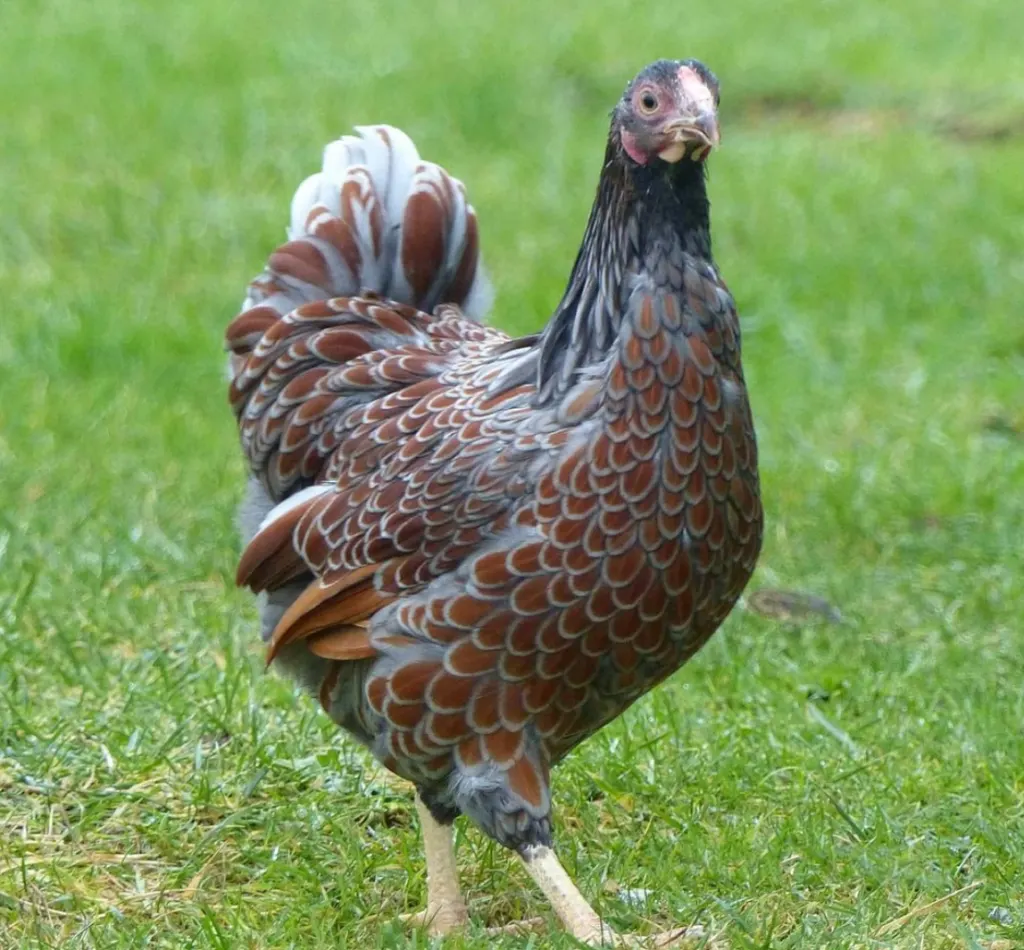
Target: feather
(334,605)
(350,642)
(344,227)
(270,560)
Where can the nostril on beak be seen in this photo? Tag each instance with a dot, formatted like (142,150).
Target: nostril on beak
(707,125)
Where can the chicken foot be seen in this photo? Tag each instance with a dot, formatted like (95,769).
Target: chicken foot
(579,918)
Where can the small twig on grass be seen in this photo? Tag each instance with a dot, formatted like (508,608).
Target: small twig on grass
(924,909)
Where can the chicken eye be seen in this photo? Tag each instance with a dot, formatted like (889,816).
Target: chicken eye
(648,102)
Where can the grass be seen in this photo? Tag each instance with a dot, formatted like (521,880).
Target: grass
(801,783)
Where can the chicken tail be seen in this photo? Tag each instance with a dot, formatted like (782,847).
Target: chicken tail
(375,219)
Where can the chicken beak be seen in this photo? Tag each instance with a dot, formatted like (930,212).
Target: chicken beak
(695,135)
(704,130)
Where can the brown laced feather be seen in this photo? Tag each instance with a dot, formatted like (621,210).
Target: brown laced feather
(335,605)
(271,560)
(351,642)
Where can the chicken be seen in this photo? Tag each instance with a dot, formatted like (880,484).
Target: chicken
(476,551)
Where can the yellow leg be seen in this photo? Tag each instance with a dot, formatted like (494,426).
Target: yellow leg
(579,918)
(446,910)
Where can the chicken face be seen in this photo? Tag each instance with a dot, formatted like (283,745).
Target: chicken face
(669,112)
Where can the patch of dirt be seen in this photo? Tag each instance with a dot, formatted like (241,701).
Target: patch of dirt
(967,125)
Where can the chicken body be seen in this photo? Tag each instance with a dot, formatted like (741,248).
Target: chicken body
(476,551)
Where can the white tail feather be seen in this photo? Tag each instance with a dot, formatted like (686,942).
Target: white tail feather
(363,231)
(375,218)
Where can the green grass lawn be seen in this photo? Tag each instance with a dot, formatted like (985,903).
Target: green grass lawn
(802,783)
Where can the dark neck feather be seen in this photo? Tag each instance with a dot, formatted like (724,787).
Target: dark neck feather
(644,219)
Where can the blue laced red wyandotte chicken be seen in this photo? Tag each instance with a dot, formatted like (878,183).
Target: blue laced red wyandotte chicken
(476,551)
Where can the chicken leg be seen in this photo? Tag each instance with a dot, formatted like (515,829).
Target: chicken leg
(446,910)
(579,918)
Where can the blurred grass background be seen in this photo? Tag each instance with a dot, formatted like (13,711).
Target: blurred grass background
(802,783)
